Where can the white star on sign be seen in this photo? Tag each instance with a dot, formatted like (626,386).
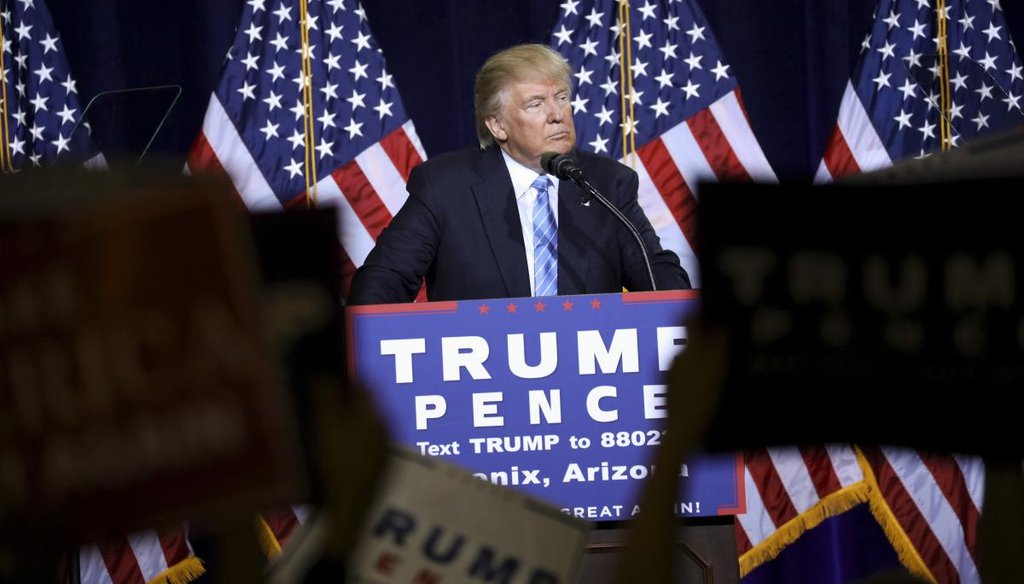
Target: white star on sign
(903,119)
(697,32)
(660,108)
(356,100)
(353,129)
(721,70)
(270,130)
(383,108)
(691,89)
(49,44)
(294,169)
(247,91)
(67,115)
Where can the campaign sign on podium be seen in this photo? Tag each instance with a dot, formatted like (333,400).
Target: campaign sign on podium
(562,397)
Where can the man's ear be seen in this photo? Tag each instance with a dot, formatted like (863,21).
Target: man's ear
(496,127)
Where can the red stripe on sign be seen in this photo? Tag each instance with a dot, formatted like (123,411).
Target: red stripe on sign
(122,565)
(175,546)
(819,466)
(909,517)
(950,479)
(672,187)
(201,157)
(282,524)
(401,152)
(838,158)
(716,147)
(203,160)
(364,200)
(774,497)
(297,202)
(743,544)
(659,297)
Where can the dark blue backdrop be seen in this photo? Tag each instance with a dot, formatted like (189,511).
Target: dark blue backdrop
(792,60)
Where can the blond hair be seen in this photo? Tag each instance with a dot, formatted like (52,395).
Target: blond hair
(518,63)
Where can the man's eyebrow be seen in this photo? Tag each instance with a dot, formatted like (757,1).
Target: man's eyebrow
(542,96)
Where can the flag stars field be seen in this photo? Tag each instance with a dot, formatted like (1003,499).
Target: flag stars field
(43,97)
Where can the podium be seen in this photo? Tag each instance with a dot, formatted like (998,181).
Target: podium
(561,398)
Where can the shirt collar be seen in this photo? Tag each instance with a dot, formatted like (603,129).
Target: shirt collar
(522,177)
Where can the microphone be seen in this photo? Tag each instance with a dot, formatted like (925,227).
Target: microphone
(565,167)
(561,165)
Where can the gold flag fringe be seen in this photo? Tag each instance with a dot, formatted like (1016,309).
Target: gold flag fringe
(183,572)
(838,502)
(905,550)
(268,541)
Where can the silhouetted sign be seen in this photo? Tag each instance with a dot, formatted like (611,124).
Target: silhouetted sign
(878,315)
(434,522)
(135,385)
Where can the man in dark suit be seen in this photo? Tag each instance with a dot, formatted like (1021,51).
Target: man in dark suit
(473,223)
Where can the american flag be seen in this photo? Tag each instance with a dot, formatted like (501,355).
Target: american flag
(891,107)
(681,103)
(690,125)
(307,114)
(146,556)
(40,108)
(928,505)
(275,528)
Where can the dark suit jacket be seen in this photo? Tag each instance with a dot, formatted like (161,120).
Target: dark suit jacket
(460,230)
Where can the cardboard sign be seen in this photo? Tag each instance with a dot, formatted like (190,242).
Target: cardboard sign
(135,385)
(434,522)
(884,314)
(563,397)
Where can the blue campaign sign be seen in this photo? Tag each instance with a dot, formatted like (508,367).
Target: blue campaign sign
(562,397)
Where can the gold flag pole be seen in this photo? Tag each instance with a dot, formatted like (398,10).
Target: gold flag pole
(307,106)
(945,99)
(6,156)
(626,85)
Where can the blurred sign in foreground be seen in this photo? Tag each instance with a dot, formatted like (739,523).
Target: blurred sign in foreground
(434,522)
(878,315)
(135,384)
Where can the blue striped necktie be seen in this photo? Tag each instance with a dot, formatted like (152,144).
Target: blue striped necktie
(545,242)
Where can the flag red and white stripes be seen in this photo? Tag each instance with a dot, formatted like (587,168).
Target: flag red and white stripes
(256,128)
(366,192)
(164,557)
(276,527)
(854,145)
(927,504)
(682,107)
(716,144)
(892,107)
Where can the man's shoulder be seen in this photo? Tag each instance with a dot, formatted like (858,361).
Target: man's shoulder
(448,178)
(596,163)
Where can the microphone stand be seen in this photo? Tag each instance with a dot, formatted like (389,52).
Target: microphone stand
(592,192)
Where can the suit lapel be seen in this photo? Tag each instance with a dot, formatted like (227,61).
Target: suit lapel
(576,224)
(496,203)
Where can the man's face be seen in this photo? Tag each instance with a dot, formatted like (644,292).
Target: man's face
(536,117)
